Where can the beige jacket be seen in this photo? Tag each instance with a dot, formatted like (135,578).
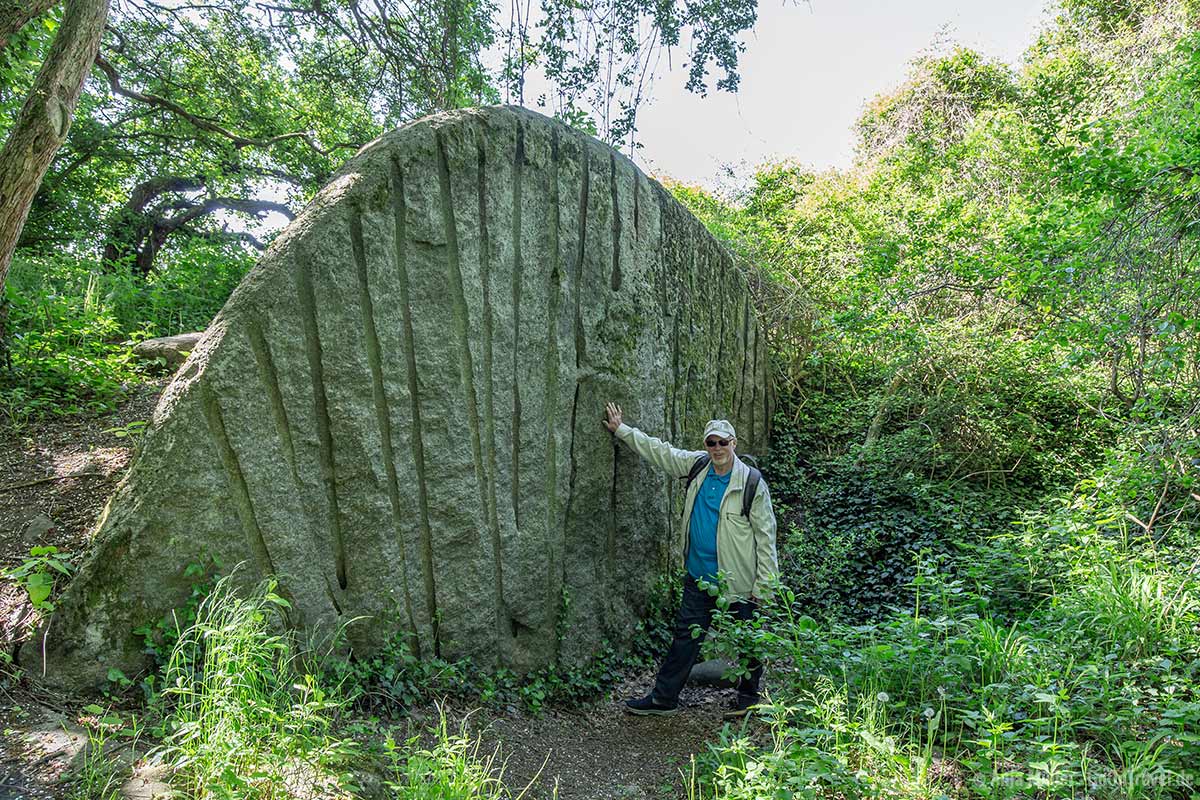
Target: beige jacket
(745,547)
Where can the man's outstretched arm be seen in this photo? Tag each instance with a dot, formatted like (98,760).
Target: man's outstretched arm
(671,460)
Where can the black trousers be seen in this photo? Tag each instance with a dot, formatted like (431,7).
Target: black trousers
(697,609)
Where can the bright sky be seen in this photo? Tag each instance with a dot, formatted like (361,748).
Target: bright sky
(807,72)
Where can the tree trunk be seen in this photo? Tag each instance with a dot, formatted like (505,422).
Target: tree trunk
(45,118)
(15,14)
(138,231)
(880,417)
(130,227)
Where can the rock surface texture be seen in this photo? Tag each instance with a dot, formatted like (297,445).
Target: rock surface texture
(398,411)
(173,350)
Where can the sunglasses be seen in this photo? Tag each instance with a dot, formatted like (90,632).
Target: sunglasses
(715,442)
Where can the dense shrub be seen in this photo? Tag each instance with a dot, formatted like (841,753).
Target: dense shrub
(71,325)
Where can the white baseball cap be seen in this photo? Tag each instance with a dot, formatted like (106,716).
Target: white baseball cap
(721,427)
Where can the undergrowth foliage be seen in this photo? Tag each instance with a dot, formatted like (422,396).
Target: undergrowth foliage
(246,709)
(394,678)
(1088,691)
(71,324)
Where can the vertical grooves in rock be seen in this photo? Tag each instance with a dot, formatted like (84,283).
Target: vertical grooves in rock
(269,378)
(637,205)
(489,402)
(237,481)
(466,369)
(585,181)
(312,342)
(689,371)
(518,170)
(610,549)
(675,378)
(418,444)
(662,252)
(740,388)
(580,344)
(616,224)
(689,382)
(555,567)
(383,416)
(720,362)
(571,453)
(754,391)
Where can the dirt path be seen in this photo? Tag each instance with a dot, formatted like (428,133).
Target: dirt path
(55,477)
(37,750)
(603,753)
(600,753)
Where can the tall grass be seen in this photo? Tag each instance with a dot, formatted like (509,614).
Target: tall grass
(97,776)
(247,716)
(453,767)
(1136,607)
(250,715)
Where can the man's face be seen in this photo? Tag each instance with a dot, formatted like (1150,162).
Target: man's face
(720,449)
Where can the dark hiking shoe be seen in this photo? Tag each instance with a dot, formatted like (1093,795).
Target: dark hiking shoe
(646,706)
(740,708)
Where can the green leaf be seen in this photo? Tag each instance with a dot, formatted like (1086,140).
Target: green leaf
(38,593)
(58,565)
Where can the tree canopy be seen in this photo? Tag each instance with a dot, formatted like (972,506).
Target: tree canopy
(1003,228)
(197,113)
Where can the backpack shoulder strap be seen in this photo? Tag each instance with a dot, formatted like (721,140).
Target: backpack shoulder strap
(750,490)
(700,465)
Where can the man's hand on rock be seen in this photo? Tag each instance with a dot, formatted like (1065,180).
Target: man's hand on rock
(612,417)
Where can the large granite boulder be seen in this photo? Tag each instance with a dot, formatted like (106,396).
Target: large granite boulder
(398,411)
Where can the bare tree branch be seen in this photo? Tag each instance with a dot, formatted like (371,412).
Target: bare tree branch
(255,208)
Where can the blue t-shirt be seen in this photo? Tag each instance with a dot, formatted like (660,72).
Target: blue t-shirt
(702,548)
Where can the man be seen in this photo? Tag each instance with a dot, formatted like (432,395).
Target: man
(717,538)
